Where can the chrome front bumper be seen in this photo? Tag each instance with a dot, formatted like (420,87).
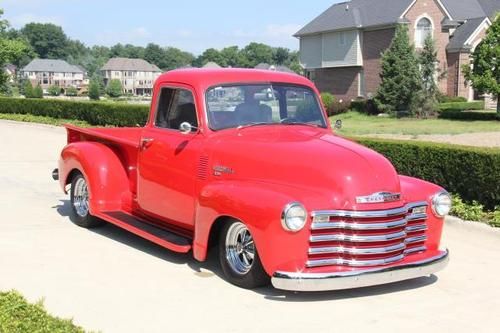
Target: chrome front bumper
(358,278)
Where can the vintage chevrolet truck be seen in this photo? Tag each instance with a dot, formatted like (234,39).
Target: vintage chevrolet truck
(246,163)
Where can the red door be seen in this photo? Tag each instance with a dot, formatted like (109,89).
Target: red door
(167,160)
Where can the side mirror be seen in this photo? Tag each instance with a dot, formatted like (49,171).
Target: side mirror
(186,128)
(338,124)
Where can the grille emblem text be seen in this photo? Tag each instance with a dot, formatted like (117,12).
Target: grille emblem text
(379,197)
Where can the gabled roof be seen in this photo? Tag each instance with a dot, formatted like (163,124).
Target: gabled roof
(371,13)
(51,65)
(126,64)
(276,68)
(459,39)
(211,64)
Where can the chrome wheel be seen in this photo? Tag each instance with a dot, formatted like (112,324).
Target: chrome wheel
(240,248)
(81,197)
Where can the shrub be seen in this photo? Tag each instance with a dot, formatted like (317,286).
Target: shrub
(17,315)
(327,99)
(465,211)
(71,92)
(471,172)
(95,113)
(468,115)
(114,88)
(367,106)
(54,91)
(462,106)
(28,89)
(94,92)
(338,107)
(442,98)
(37,92)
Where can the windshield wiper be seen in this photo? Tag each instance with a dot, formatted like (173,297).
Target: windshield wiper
(254,124)
(301,123)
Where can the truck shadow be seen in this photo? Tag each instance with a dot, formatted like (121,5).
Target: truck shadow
(210,268)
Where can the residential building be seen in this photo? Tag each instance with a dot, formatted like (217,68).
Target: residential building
(137,76)
(278,68)
(51,72)
(341,48)
(11,71)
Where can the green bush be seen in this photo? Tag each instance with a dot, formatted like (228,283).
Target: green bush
(450,99)
(17,315)
(367,106)
(473,173)
(28,89)
(95,113)
(327,99)
(114,88)
(37,92)
(71,92)
(462,106)
(465,211)
(468,115)
(54,91)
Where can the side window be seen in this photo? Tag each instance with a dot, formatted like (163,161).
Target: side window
(175,106)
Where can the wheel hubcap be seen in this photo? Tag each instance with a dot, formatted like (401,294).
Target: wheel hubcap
(81,198)
(240,248)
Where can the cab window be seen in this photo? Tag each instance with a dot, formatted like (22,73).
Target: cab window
(175,106)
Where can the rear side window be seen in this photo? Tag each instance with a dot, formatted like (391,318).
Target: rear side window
(175,106)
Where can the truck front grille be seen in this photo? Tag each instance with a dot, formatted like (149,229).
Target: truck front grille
(367,238)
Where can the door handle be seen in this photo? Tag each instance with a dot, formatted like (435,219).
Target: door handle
(146,143)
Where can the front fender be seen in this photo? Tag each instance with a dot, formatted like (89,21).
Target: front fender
(259,206)
(106,175)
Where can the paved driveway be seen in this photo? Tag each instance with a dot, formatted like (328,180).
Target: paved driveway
(112,281)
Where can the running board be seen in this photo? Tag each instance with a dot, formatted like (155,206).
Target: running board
(148,231)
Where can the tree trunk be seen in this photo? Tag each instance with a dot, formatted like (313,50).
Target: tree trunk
(498,105)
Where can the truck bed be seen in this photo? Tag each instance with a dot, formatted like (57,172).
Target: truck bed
(129,136)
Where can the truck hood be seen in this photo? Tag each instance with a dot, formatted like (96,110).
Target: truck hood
(306,157)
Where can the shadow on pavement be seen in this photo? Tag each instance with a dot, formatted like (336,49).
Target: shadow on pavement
(211,267)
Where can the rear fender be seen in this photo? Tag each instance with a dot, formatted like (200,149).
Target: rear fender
(106,175)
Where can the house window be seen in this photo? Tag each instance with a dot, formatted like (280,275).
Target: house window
(422,31)
(342,38)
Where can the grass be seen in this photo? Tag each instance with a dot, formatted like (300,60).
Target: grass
(355,123)
(42,120)
(17,315)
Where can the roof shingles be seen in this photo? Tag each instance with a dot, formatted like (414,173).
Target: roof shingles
(126,64)
(51,65)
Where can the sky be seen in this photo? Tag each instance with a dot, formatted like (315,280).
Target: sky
(189,25)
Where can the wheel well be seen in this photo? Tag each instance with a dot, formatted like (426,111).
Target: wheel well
(213,238)
(72,174)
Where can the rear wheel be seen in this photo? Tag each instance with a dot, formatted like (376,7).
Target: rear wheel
(239,258)
(80,203)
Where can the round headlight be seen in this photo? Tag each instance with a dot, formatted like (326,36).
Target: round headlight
(293,217)
(441,204)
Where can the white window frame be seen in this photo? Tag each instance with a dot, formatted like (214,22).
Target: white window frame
(420,43)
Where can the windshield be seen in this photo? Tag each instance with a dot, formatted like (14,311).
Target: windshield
(261,104)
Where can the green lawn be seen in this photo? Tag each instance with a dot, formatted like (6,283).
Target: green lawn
(354,123)
(42,120)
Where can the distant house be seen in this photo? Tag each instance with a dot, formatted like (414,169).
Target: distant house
(278,68)
(341,48)
(212,64)
(136,75)
(10,70)
(50,72)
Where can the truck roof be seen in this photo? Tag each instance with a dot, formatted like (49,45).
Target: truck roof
(208,77)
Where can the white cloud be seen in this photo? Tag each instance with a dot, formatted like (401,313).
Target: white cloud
(140,33)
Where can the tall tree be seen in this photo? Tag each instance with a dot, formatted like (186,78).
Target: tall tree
(94,90)
(281,55)
(256,53)
(485,60)
(48,40)
(426,103)
(401,80)
(154,54)
(213,55)
(232,56)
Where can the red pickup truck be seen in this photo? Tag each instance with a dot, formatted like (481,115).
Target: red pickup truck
(245,162)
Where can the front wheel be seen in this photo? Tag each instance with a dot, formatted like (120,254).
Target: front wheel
(80,203)
(239,258)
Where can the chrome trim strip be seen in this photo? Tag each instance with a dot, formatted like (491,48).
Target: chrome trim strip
(354,262)
(416,227)
(297,281)
(414,217)
(357,251)
(357,238)
(370,213)
(358,226)
(415,249)
(416,239)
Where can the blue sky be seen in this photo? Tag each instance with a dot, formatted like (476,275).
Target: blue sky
(190,25)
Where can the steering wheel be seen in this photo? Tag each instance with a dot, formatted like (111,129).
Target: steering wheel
(288,120)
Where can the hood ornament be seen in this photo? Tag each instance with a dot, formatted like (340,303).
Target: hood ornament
(379,197)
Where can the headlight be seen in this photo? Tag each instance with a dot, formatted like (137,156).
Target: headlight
(293,217)
(441,204)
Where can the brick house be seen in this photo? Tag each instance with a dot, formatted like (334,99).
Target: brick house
(51,72)
(341,48)
(137,76)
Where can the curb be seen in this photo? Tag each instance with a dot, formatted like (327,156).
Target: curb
(471,226)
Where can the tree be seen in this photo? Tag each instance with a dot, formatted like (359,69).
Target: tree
(94,90)
(54,91)
(232,56)
(485,61)
(212,55)
(281,55)
(28,89)
(10,51)
(175,58)
(256,53)
(37,92)
(154,54)
(48,40)
(401,80)
(426,102)
(114,88)
(71,92)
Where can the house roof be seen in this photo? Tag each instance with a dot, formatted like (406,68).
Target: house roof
(277,68)
(463,32)
(370,13)
(11,68)
(51,65)
(126,64)
(211,64)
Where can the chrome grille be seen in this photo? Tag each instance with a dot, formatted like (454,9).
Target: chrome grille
(367,238)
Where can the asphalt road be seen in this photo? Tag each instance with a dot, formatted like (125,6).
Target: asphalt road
(112,281)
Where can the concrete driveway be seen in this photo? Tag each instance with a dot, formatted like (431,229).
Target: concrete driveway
(112,281)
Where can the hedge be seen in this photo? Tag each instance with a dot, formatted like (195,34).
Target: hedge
(17,315)
(469,115)
(473,173)
(462,106)
(95,113)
